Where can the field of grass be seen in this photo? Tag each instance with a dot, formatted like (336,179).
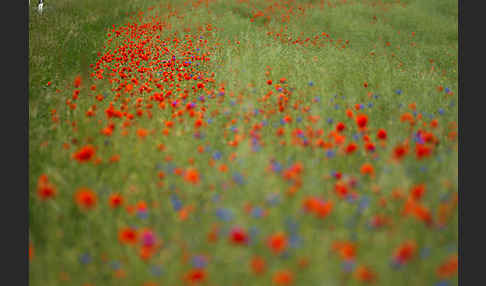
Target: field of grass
(243,142)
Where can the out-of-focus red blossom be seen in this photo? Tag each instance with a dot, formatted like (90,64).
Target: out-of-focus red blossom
(362,120)
(340,127)
(417,191)
(345,249)
(365,274)
(31,251)
(283,277)
(367,169)
(196,275)
(115,200)
(318,207)
(77,81)
(45,189)
(238,236)
(422,151)
(449,267)
(405,252)
(351,147)
(192,176)
(277,242)
(85,198)
(341,189)
(258,265)
(128,235)
(400,151)
(85,154)
(381,134)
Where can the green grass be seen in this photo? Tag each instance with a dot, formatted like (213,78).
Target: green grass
(67,38)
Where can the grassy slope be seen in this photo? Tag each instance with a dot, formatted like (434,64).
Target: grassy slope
(69,35)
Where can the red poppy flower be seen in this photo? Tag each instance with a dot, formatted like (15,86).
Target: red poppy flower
(86,198)
(283,277)
(449,267)
(115,200)
(405,252)
(258,265)
(277,242)
(128,235)
(45,190)
(381,134)
(364,274)
(196,275)
(238,236)
(85,154)
(362,120)
(340,127)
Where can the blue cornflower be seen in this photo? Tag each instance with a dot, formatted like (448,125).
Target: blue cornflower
(156,270)
(257,212)
(398,91)
(425,252)
(330,153)
(441,111)
(253,232)
(142,214)
(238,178)
(292,226)
(348,266)
(199,261)
(311,83)
(224,214)
(217,155)
(176,202)
(364,203)
(215,198)
(442,283)
(294,240)
(276,167)
(115,265)
(85,258)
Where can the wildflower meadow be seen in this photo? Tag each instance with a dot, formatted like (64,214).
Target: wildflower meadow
(243,142)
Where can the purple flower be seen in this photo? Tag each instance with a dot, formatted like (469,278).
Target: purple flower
(148,238)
